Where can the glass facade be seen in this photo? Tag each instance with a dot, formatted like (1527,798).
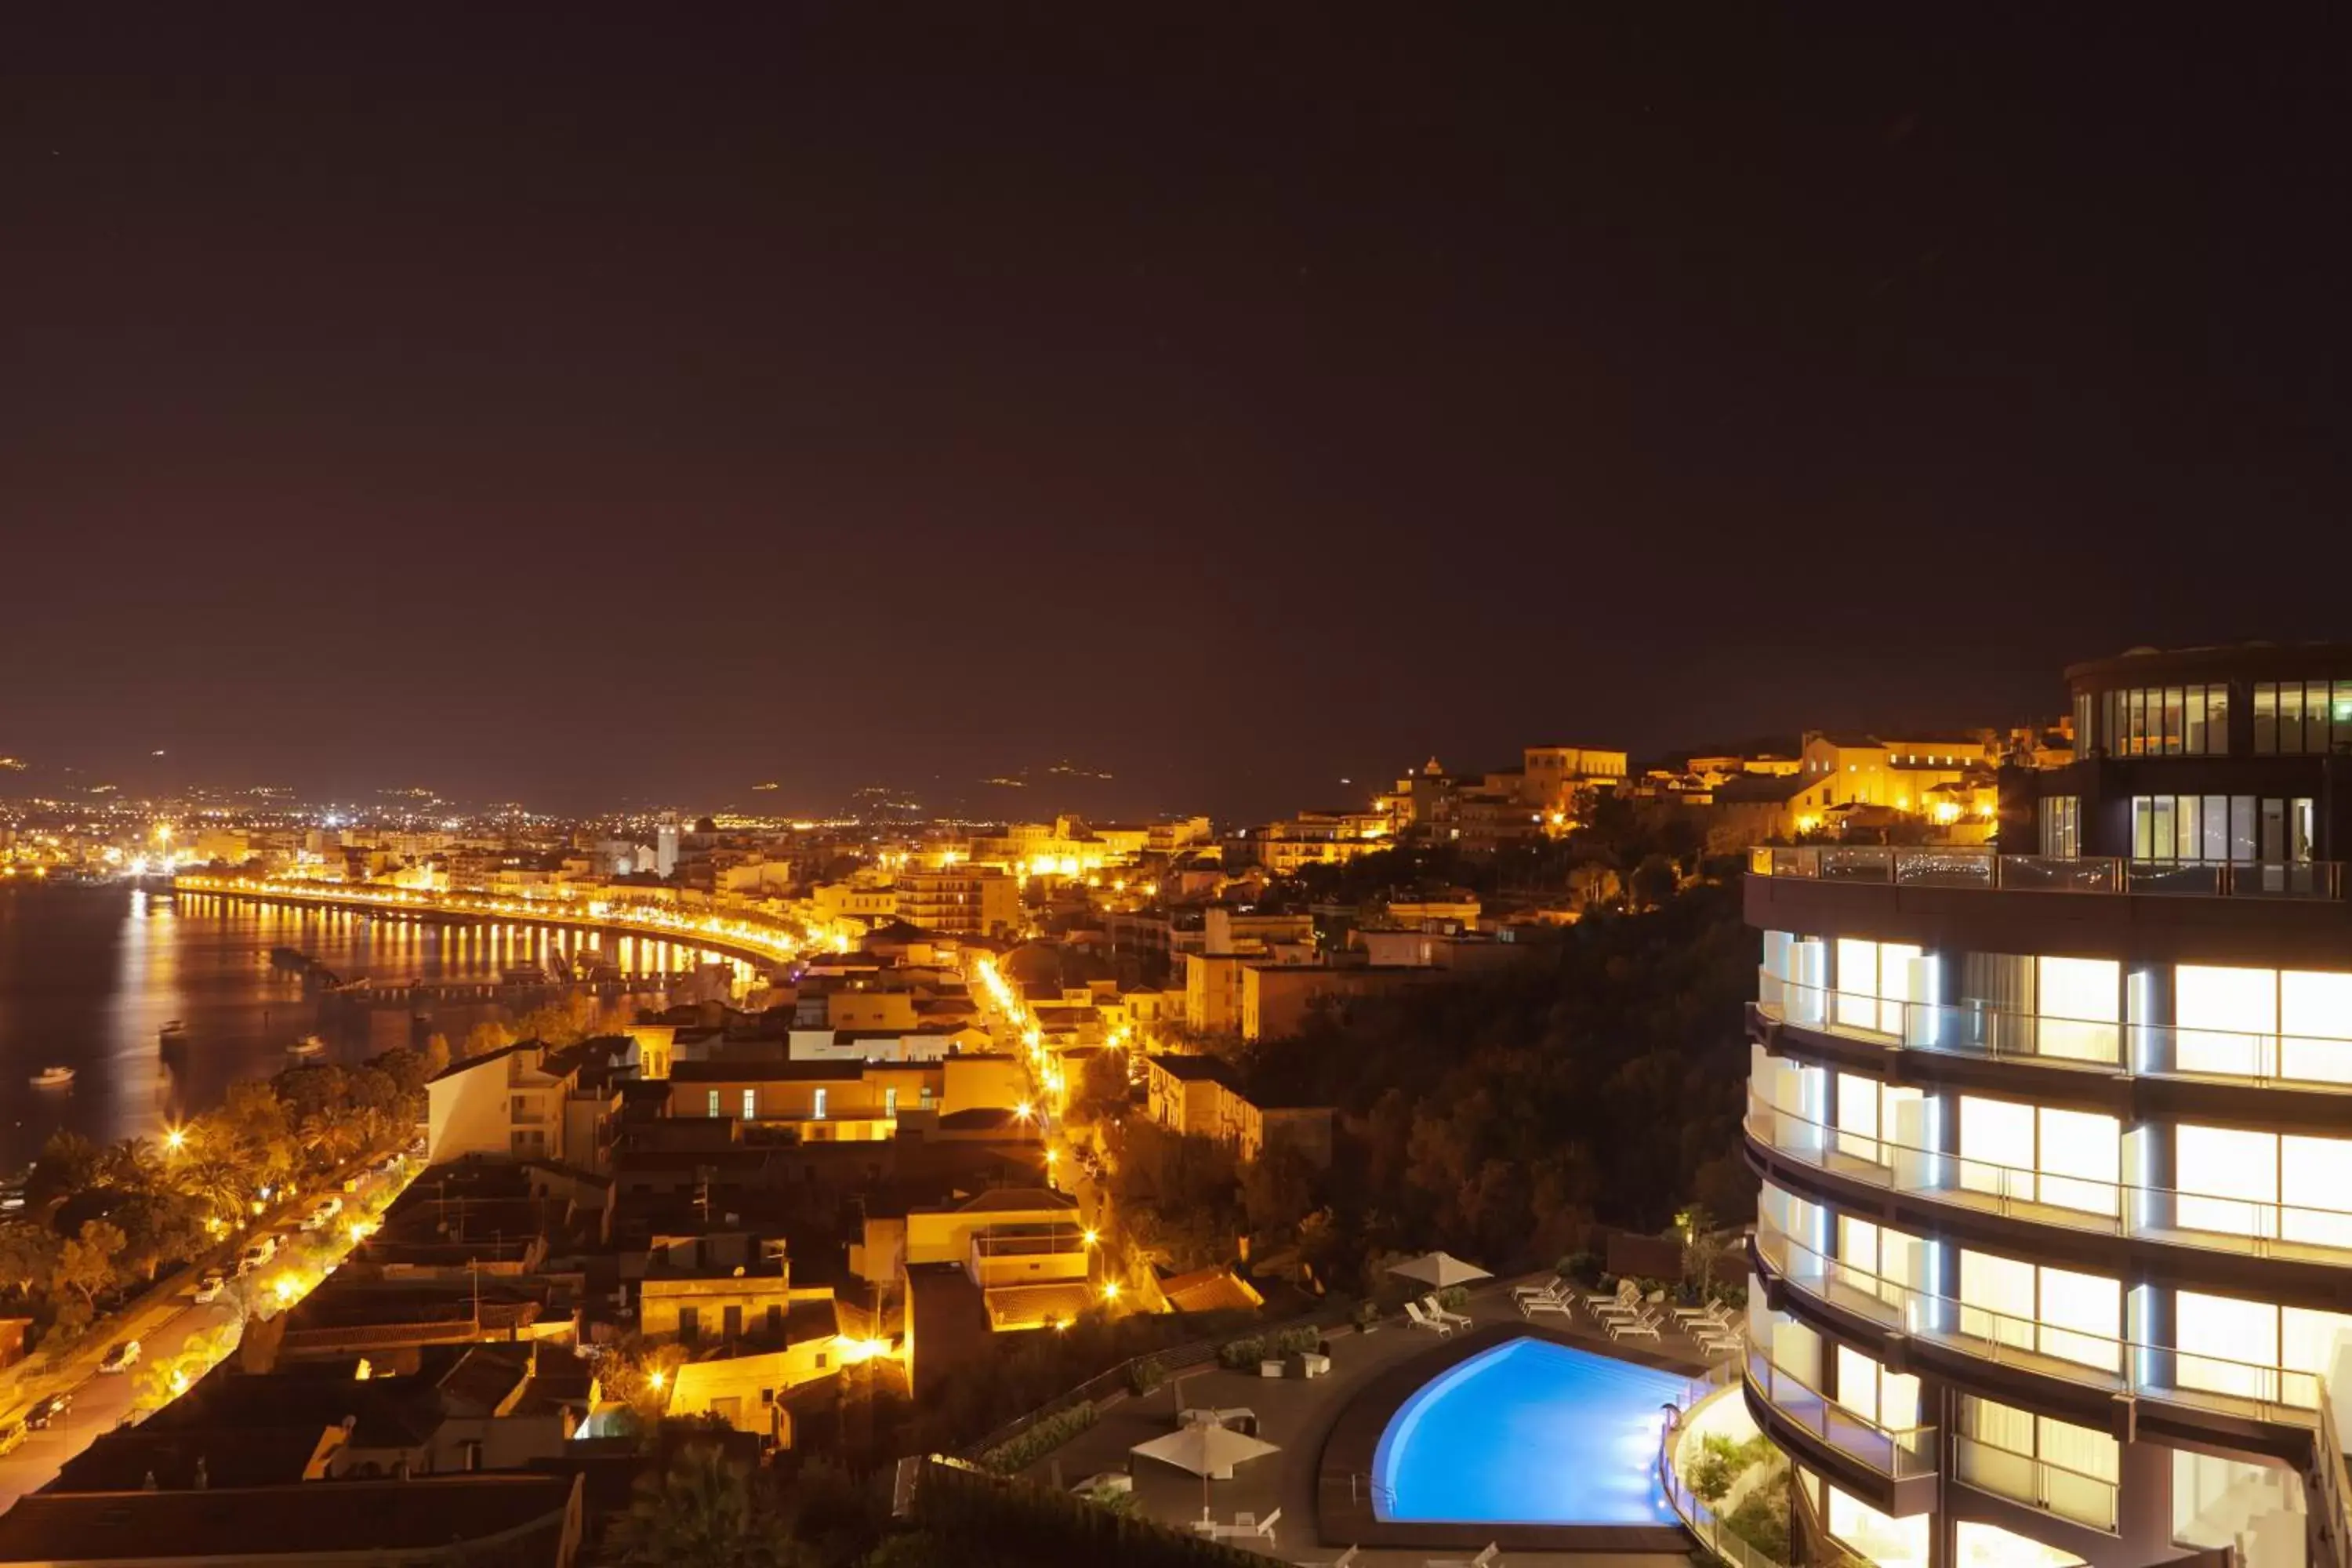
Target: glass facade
(2055,1241)
(2166,721)
(2306,716)
(2243,829)
(2062,825)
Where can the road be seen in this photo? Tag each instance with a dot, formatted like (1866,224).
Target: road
(102,1400)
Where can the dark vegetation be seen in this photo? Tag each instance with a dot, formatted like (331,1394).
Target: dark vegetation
(102,1224)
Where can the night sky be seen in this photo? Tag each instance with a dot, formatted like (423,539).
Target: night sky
(635,404)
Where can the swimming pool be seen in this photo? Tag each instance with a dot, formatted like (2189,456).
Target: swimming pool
(1529,1433)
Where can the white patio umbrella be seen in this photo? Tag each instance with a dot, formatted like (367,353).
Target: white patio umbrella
(1440,1268)
(1205,1449)
(1208,1451)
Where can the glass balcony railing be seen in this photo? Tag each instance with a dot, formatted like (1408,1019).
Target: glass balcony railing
(2215,1221)
(1980,1029)
(1893,1451)
(1940,866)
(2167,1374)
(2036,1483)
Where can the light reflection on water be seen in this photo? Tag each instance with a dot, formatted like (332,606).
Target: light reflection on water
(89,976)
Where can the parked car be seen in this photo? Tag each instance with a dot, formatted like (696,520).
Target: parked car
(324,1215)
(48,1408)
(121,1358)
(209,1287)
(12,1437)
(255,1256)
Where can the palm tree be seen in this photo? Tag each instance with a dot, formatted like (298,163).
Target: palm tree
(329,1141)
(129,1164)
(219,1186)
(702,1513)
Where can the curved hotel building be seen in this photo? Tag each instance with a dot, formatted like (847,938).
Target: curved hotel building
(2053,1259)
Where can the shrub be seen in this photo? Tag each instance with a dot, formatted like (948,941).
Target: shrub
(1454,1297)
(1111,1498)
(1366,1313)
(1711,1477)
(1584,1267)
(1017,1454)
(1147,1374)
(1761,1519)
(1244,1354)
(1235,1355)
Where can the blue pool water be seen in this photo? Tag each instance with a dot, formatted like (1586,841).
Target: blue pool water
(1529,1433)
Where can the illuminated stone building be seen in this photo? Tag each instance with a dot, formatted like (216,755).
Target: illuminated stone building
(2053,1257)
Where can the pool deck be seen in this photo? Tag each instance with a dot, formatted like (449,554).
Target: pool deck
(1327,1426)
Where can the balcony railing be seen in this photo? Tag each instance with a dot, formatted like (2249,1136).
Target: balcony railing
(1697,1518)
(2160,1374)
(2216,1221)
(1896,1452)
(1934,867)
(2036,1483)
(1041,1245)
(1982,1029)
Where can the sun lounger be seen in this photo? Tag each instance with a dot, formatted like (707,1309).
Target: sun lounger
(1530,1305)
(1491,1557)
(1634,1329)
(1421,1321)
(1554,1287)
(1429,1304)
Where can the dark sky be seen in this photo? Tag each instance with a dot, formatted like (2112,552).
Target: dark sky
(1233,398)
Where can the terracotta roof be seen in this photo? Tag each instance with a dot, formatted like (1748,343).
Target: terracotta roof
(1213,1289)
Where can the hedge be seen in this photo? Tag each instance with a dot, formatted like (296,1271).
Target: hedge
(996,1522)
(1244,1355)
(1017,1454)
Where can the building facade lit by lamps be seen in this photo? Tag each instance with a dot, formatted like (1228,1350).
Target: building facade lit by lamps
(2051,1258)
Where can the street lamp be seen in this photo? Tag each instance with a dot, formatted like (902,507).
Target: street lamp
(1110,1290)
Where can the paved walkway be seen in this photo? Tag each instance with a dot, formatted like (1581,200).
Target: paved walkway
(1298,1413)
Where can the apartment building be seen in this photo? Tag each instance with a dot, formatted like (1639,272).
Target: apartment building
(842,1102)
(507,1102)
(2051,1257)
(960,901)
(1201,1097)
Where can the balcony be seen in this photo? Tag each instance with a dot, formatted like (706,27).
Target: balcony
(2036,1483)
(1992,872)
(1981,1030)
(1903,1460)
(2135,1211)
(1028,1256)
(2187,1383)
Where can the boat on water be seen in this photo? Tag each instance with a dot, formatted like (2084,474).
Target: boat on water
(54,1078)
(310,1047)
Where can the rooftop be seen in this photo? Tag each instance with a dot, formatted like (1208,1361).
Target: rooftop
(1196,1070)
(258,1524)
(230,1457)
